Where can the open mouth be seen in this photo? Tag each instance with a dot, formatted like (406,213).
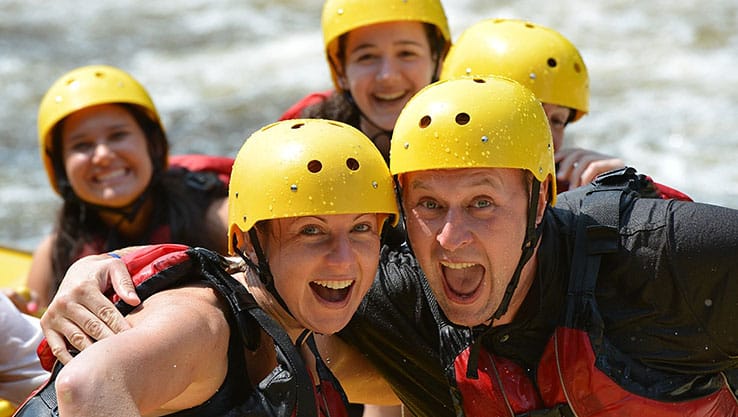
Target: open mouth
(390,96)
(111,176)
(332,291)
(462,280)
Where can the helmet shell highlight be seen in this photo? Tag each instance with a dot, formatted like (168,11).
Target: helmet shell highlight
(538,57)
(490,122)
(307,167)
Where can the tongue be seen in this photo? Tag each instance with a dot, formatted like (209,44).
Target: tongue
(329,294)
(464,281)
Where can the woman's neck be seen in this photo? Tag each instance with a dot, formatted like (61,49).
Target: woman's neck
(129,228)
(271,306)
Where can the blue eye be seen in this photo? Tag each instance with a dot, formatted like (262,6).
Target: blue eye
(429,204)
(481,203)
(363,227)
(310,230)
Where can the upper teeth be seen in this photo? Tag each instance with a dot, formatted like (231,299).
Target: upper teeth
(391,96)
(111,174)
(335,285)
(460,265)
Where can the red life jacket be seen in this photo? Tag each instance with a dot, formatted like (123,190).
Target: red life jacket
(295,111)
(567,374)
(220,165)
(568,380)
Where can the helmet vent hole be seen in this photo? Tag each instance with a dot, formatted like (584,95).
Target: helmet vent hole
(99,74)
(425,122)
(314,166)
(478,80)
(577,68)
(462,118)
(352,164)
(552,62)
(297,125)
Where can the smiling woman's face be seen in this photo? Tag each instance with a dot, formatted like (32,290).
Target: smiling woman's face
(323,265)
(386,64)
(105,154)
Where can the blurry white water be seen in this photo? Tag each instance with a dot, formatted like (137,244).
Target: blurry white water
(664,79)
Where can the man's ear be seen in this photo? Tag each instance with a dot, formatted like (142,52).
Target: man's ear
(543,199)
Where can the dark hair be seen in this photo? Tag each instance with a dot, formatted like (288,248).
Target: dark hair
(180,201)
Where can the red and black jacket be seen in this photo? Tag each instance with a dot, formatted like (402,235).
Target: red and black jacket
(287,391)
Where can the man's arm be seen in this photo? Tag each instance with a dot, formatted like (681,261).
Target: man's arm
(174,357)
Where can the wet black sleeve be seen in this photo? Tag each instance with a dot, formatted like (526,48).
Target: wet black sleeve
(395,328)
(670,296)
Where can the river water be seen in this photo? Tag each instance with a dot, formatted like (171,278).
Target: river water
(664,79)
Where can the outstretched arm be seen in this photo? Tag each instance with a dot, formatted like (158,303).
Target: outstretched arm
(174,357)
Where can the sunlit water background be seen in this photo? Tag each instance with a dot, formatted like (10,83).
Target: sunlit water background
(664,79)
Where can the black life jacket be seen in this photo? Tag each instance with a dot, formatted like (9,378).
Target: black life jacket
(287,391)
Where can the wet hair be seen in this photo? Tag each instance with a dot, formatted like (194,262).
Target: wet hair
(180,201)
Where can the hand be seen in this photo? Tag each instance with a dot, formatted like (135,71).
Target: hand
(79,312)
(580,166)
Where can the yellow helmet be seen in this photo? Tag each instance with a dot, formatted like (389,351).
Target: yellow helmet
(85,87)
(343,16)
(490,122)
(307,167)
(537,57)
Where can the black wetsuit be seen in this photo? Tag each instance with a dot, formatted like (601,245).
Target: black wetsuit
(667,296)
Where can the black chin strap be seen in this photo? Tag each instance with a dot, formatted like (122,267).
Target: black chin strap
(382,132)
(532,234)
(262,269)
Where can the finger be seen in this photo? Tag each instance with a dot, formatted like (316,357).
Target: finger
(58,347)
(600,166)
(568,161)
(98,316)
(575,176)
(61,329)
(123,284)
